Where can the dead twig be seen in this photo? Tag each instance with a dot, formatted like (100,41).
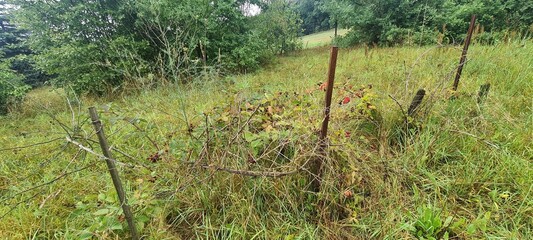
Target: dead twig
(53,195)
(476,137)
(79,145)
(243,126)
(253,173)
(399,105)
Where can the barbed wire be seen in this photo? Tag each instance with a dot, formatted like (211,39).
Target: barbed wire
(31,145)
(47,183)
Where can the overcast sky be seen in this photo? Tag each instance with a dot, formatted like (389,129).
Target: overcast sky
(250,9)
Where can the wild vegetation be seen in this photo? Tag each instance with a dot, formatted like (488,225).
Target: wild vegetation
(103,47)
(213,116)
(387,22)
(321,39)
(465,174)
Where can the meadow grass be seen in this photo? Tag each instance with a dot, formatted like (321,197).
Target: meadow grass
(321,38)
(464,172)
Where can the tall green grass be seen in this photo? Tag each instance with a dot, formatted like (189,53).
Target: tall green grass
(466,174)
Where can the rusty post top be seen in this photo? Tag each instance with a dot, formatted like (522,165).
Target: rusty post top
(329,91)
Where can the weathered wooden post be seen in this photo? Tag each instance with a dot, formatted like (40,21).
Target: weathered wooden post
(417,100)
(114,173)
(411,126)
(465,52)
(316,164)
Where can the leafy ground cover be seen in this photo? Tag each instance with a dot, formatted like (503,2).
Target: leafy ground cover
(457,169)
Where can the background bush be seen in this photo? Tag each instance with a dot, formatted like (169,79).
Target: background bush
(392,22)
(12,89)
(125,42)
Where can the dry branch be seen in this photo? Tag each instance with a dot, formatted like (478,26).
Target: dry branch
(79,145)
(245,124)
(252,173)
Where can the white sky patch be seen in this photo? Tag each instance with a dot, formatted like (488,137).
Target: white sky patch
(249,9)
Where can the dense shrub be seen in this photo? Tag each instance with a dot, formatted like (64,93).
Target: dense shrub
(25,65)
(124,41)
(279,26)
(12,89)
(391,22)
(314,18)
(95,68)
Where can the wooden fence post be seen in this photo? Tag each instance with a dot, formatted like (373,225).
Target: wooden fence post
(114,173)
(316,165)
(465,52)
(416,102)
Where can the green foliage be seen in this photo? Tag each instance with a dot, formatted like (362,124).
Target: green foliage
(429,225)
(470,162)
(391,22)
(215,32)
(12,89)
(130,42)
(93,68)
(94,55)
(279,27)
(11,37)
(314,19)
(13,48)
(25,65)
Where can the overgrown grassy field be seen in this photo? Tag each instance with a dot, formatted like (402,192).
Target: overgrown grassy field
(321,38)
(457,169)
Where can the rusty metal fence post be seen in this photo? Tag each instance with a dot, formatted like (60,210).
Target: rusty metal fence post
(316,165)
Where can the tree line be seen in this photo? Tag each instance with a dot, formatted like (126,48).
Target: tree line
(419,22)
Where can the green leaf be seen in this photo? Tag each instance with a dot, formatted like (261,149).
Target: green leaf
(446,236)
(85,235)
(101,212)
(249,137)
(448,221)
(471,229)
(101,197)
(142,218)
(116,226)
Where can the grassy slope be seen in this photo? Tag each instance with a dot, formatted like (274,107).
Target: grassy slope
(321,38)
(470,164)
